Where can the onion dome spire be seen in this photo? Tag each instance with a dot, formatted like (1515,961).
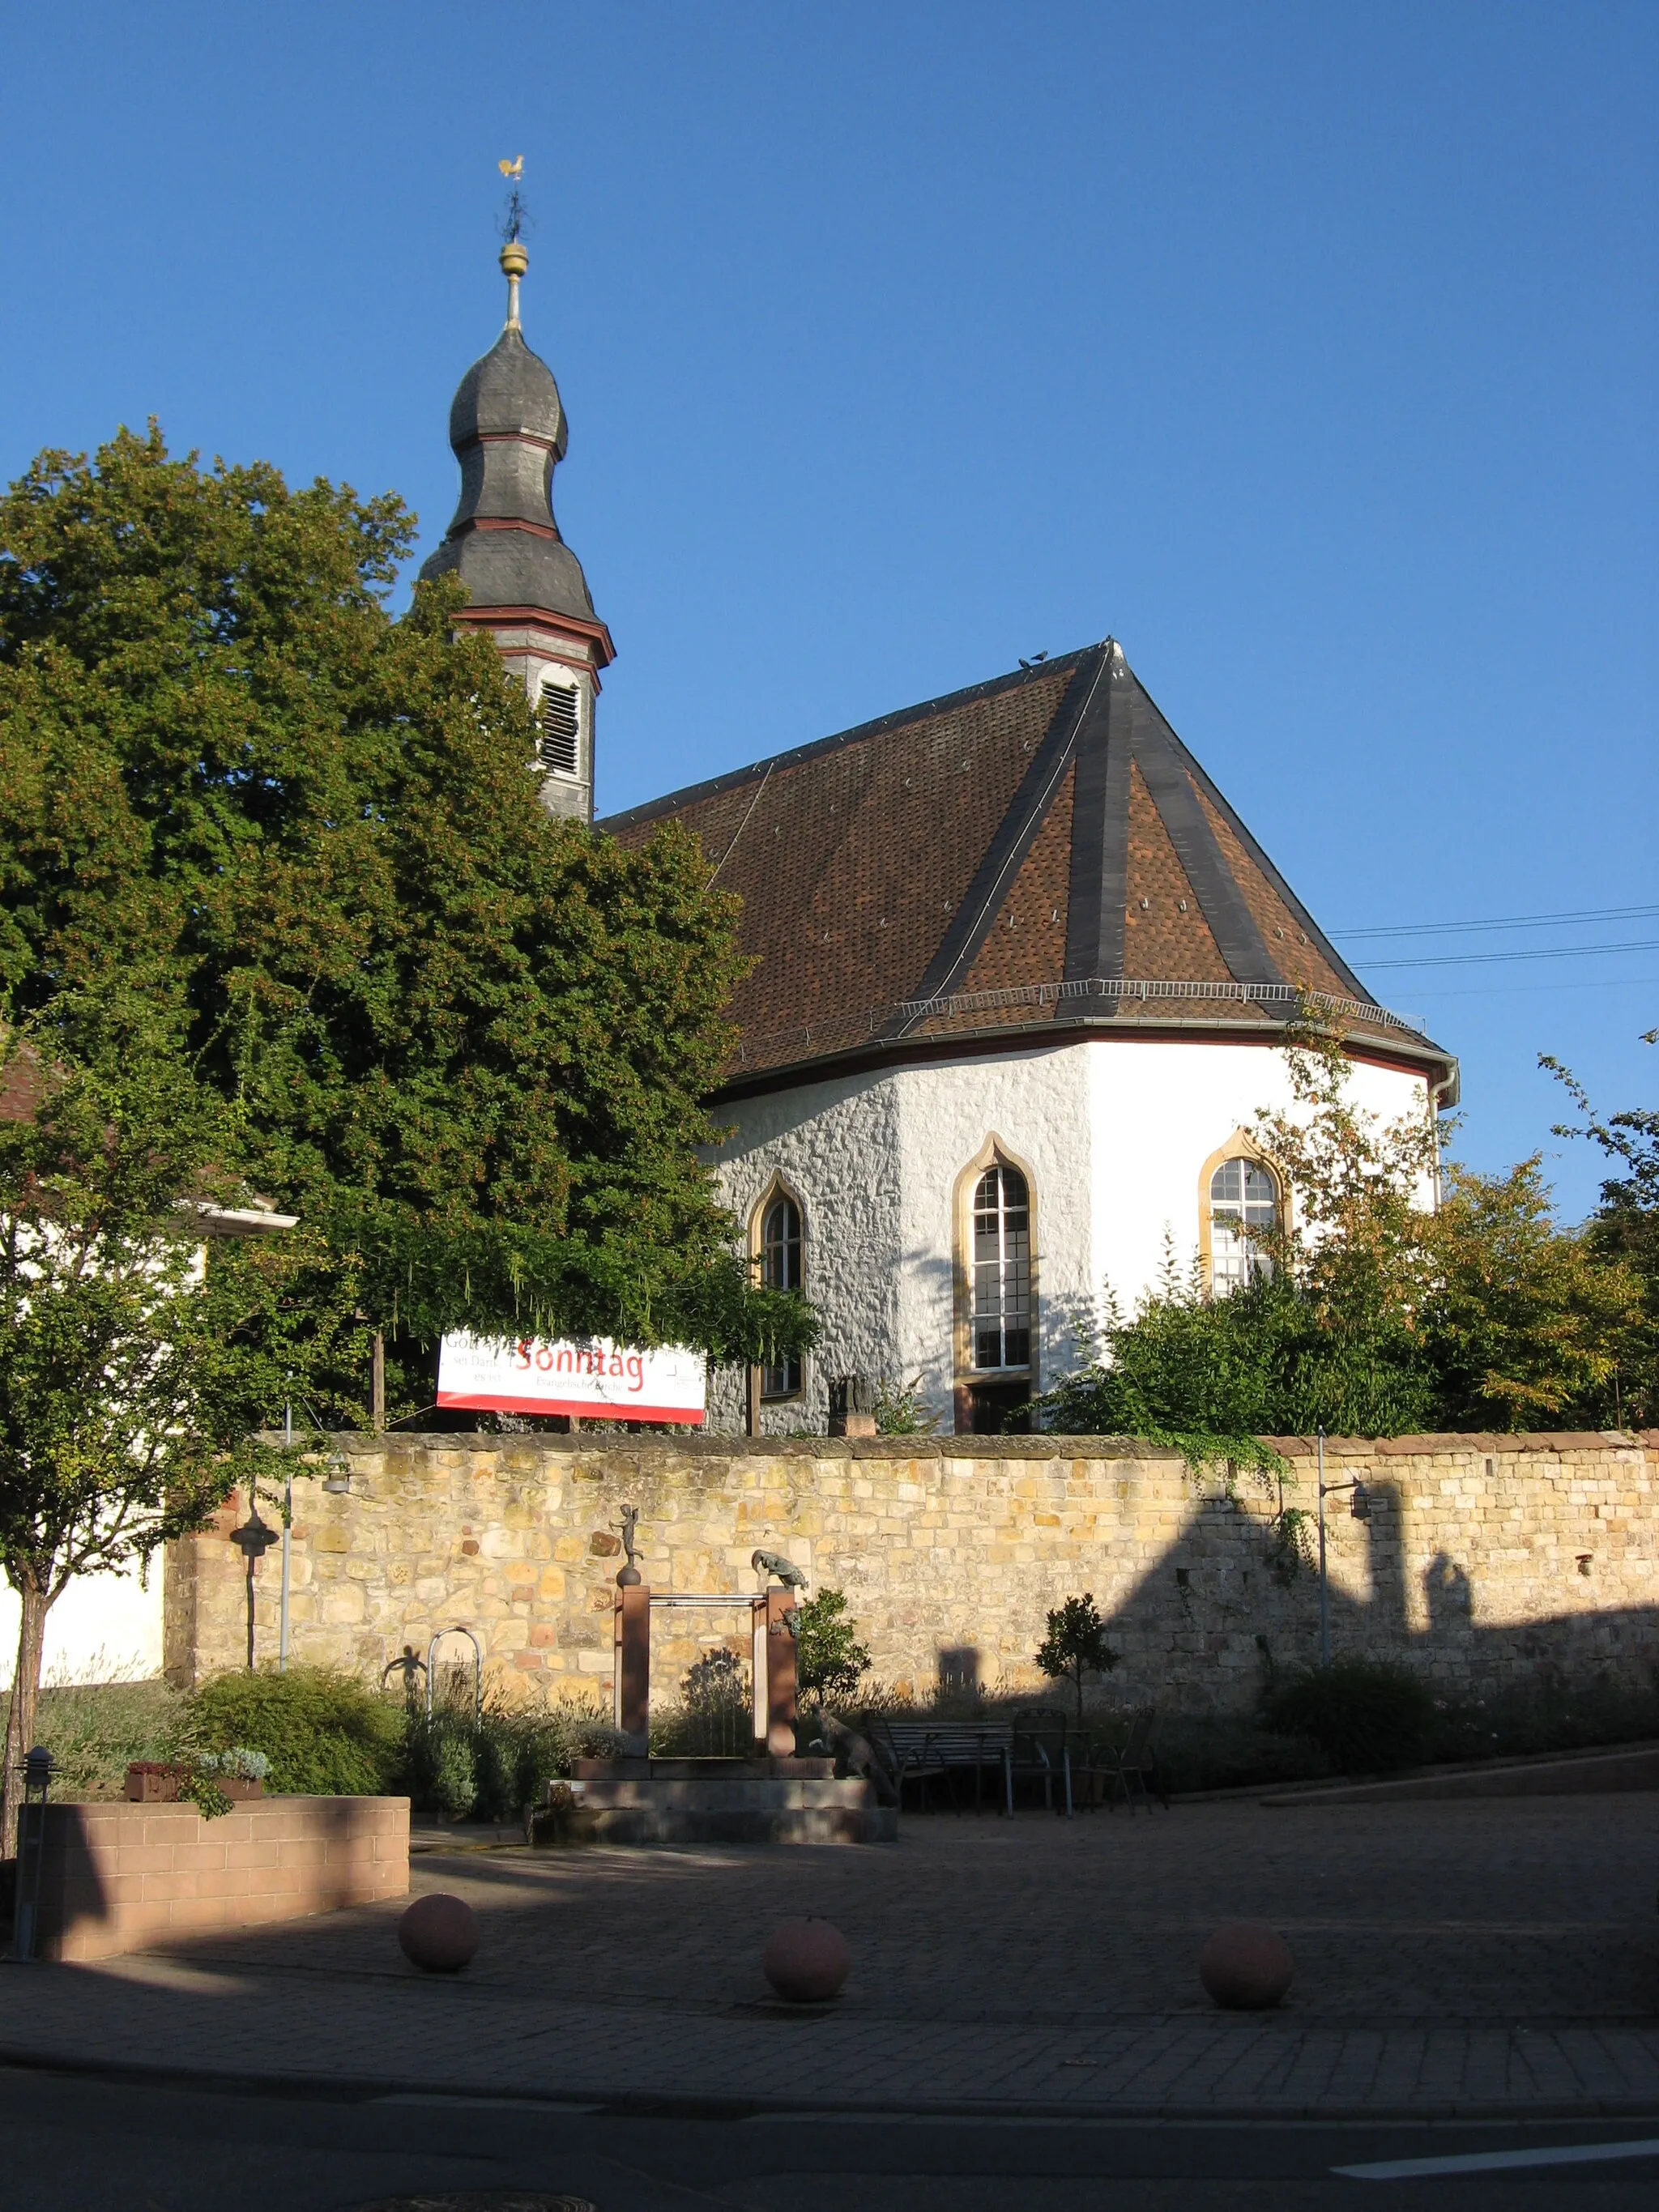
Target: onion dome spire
(508,431)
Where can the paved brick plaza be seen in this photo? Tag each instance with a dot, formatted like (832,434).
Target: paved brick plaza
(1496,1956)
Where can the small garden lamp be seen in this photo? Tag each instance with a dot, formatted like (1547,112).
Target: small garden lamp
(31,1845)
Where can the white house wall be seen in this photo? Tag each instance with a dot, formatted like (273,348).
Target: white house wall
(1114,1133)
(105,1628)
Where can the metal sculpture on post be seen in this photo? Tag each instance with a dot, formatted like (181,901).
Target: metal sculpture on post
(631,1643)
(774,1623)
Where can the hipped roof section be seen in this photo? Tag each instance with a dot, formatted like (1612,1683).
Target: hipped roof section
(1035,853)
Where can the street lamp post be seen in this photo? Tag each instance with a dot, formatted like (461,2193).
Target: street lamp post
(336,1479)
(1361,1510)
(253,1538)
(288,1526)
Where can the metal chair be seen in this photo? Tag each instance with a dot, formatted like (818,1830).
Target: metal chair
(1041,1750)
(1129,1767)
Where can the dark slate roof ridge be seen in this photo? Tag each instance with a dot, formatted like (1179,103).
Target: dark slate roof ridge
(1014,835)
(900,719)
(1224,807)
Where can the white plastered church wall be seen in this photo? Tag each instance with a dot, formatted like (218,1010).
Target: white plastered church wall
(1115,1133)
(835,1146)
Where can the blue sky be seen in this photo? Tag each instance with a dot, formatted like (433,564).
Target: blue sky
(1311,351)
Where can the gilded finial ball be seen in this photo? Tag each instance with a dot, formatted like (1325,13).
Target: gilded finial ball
(514,259)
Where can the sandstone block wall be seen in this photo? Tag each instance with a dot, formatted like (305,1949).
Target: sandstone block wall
(114,1878)
(1485,1559)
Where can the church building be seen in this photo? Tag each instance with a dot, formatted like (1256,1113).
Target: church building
(1020,986)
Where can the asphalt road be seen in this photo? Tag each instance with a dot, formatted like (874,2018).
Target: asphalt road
(90,2143)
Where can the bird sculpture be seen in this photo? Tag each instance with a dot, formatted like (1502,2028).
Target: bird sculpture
(512,168)
(773,1563)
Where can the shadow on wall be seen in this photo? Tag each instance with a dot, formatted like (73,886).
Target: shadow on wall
(1226,1604)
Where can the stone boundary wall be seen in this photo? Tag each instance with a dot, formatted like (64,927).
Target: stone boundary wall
(121,1877)
(1485,1558)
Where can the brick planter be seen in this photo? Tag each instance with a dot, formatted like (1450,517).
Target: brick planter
(122,1877)
(150,1783)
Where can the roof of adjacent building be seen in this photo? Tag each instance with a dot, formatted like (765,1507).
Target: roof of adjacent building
(1034,855)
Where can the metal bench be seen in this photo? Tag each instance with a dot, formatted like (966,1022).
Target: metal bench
(918,1750)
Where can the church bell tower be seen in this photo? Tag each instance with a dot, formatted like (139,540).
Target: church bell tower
(508,431)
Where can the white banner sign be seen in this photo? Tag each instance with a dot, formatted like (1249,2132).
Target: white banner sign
(593,1377)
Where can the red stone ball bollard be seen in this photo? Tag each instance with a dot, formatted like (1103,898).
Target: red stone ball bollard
(1246,1965)
(806,1961)
(439,1933)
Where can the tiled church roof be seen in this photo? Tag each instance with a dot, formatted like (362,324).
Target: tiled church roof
(1036,854)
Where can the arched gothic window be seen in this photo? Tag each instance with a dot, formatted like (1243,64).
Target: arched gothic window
(1001,1308)
(780,1242)
(1243,1204)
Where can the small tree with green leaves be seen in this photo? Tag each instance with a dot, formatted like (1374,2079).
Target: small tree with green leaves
(1075,1645)
(133,1366)
(830,1661)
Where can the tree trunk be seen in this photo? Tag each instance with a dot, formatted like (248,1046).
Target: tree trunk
(21,1710)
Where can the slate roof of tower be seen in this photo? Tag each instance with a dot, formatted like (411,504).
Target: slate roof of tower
(1034,855)
(508,431)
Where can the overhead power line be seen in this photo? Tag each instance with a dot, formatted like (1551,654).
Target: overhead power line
(1535,953)
(1499,921)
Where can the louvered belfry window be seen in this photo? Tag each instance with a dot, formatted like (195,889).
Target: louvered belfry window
(561,743)
(1002,1270)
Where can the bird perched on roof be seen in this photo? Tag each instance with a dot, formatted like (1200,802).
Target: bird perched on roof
(1035,660)
(773,1563)
(512,168)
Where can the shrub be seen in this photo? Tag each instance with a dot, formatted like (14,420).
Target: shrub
(95,1730)
(496,1770)
(440,1767)
(240,1765)
(830,1661)
(324,1732)
(1364,1714)
(900,1411)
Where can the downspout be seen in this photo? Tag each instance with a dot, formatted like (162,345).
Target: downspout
(1435,1092)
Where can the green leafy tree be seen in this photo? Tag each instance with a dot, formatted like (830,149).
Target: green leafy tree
(133,1365)
(1209,1377)
(468,1043)
(1377,1312)
(1075,1645)
(1323,1336)
(1354,1239)
(830,1661)
(1526,1322)
(1625,1227)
